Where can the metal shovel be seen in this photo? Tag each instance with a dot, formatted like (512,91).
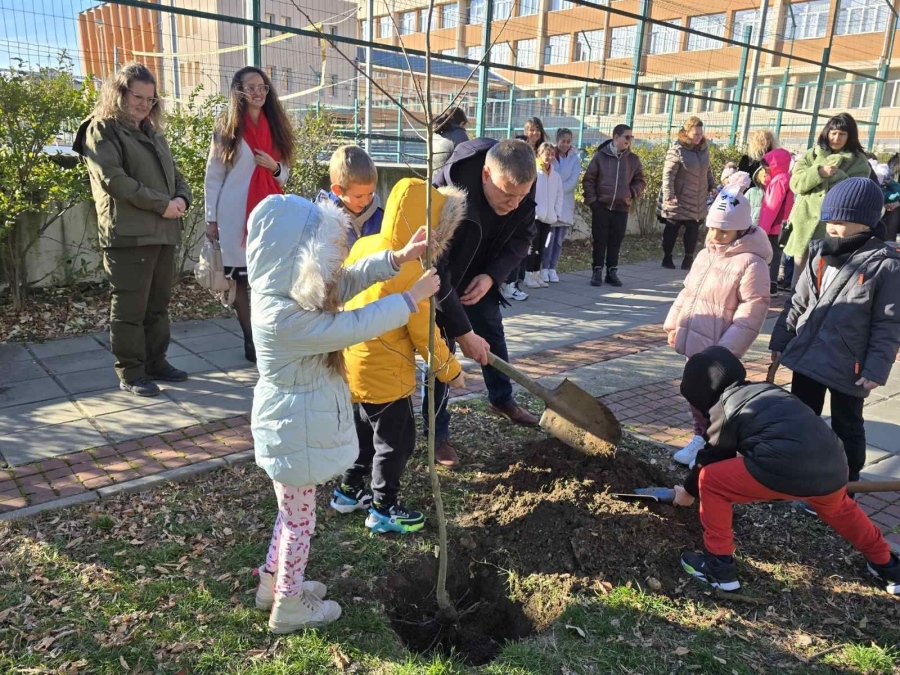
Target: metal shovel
(572,415)
(667,495)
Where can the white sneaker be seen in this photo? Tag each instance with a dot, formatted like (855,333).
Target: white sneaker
(552,276)
(545,276)
(518,294)
(303,611)
(532,280)
(507,290)
(688,453)
(540,279)
(265,592)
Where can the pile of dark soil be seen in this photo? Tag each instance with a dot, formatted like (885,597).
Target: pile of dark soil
(547,511)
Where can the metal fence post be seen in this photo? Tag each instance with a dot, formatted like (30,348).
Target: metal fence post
(485,72)
(817,104)
(254,34)
(584,86)
(782,101)
(754,72)
(671,119)
(370,38)
(882,78)
(739,94)
(636,63)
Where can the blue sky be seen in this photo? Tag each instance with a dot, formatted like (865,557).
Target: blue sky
(36,30)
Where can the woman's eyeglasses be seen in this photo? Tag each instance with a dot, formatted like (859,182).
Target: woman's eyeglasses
(255,88)
(149,100)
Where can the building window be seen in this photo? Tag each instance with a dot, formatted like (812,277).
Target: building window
(423,21)
(286,21)
(711,24)
(589,45)
(685,104)
(862,94)
(556,50)
(288,80)
(385,27)
(270,18)
(476,12)
(705,104)
(502,9)
(528,7)
(450,16)
(449,52)
(664,39)
(559,5)
(501,53)
(811,18)
(862,16)
(804,93)
(334,81)
(833,95)
(741,20)
(526,53)
(475,53)
(621,44)
(364,29)
(891,98)
(407,23)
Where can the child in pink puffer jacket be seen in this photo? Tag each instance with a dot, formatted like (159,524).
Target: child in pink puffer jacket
(726,294)
(778,201)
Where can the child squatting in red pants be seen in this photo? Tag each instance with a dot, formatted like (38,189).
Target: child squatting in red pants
(765,444)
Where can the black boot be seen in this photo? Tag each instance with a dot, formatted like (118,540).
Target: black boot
(249,351)
(667,262)
(611,277)
(597,277)
(687,262)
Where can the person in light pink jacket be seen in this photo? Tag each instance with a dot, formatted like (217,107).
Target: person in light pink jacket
(778,200)
(726,294)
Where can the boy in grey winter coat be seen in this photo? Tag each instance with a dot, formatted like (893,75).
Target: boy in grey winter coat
(841,331)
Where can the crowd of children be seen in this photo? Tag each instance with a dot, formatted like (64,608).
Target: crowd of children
(340,315)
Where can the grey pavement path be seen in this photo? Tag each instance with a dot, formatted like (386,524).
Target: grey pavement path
(62,396)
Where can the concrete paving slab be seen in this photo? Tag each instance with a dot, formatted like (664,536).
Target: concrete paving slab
(874,455)
(191,364)
(600,379)
(219,405)
(97,379)
(174,349)
(204,344)
(248,375)
(62,347)
(197,385)
(23,369)
(226,359)
(138,422)
(72,363)
(95,404)
(46,443)
(231,325)
(884,435)
(887,469)
(10,352)
(29,391)
(190,329)
(884,410)
(38,414)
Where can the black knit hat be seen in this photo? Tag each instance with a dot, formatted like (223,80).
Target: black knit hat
(854,200)
(708,374)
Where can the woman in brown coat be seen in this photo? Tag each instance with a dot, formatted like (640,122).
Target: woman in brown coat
(687,185)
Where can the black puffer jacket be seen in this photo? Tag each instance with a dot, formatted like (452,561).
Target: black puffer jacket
(786,446)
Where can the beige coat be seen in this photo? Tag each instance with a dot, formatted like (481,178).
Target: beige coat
(688,178)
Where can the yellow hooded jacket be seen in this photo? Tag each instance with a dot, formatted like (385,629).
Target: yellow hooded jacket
(383,370)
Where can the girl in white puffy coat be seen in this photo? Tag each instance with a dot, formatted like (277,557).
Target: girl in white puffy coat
(548,197)
(302,423)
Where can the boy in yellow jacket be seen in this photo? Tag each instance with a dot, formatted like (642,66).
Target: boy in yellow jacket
(382,372)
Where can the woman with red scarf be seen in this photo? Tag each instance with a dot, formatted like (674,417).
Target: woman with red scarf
(251,151)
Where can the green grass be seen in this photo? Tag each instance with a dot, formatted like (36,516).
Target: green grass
(160,582)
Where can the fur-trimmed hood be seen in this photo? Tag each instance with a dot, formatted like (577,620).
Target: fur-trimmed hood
(405,213)
(295,248)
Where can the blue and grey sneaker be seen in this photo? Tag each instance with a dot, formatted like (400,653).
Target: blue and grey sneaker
(347,499)
(887,576)
(395,518)
(709,568)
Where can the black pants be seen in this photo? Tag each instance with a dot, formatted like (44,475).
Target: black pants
(487,322)
(775,265)
(846,417)
(608,232)
(536,252)
(387,438)
(891,220)
(670,236)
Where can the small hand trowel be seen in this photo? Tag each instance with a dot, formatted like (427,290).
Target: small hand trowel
(653,494)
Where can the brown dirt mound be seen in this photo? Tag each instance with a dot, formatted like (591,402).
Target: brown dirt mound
(547,511)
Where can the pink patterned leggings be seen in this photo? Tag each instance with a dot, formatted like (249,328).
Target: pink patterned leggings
(294,526)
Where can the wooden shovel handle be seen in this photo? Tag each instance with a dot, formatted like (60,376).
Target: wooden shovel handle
(874,486)
(517,375)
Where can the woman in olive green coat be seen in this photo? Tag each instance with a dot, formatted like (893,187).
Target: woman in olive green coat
(140,197)
(836,156)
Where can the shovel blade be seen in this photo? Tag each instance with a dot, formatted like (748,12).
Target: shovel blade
(581,421)
(660,495)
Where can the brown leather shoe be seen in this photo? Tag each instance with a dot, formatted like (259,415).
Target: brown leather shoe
(445,455)
(516,415)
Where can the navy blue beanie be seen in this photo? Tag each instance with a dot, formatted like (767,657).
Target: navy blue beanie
(854,200)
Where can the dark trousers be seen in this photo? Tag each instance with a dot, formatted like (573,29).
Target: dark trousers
(788,267)
(140,287)
(387,438)
(891,220)
(487,322)
(846,417)
(670,236)
(776,258)
(608,232)
(517,275)
(536,252)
